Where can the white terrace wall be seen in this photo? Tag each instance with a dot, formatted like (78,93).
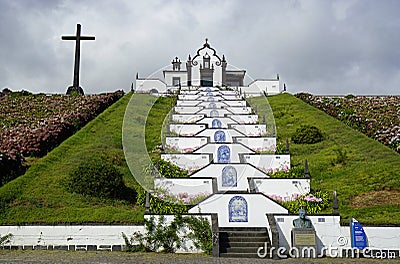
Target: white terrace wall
(188,97)
(243,170)
(256,214)
(185,144)
(251,130)
(259,143)
(86,237)
(212,104)
(239,103)
(186,118)
(235,150)
(239,110)
(285,188)
(229,134)
(214,112)
(186,103)
(208,98)
(186,130)
(190,162)
(191,186)
(225,121)
(187,109)
(268,163)
(245,119)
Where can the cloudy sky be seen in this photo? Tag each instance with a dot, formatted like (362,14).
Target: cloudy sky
(321,46)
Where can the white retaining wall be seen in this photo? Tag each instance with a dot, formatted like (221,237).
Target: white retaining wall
(285,188)
(187,109)
(186,118)
(245,119)
(68,235)
(259,143)
(185,144)
(243,170)
(225,121)
(251,130)
(268,163)
(186,129)
(219,203)
(190,162)
(192,186)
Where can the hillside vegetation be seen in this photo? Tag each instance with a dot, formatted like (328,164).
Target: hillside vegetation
(41,194)
(363,172)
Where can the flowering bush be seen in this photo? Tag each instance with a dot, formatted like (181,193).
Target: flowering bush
(285,172)
(180,198)
(169,170)
(377,117)
(32,125)
(175,149)
(312,203)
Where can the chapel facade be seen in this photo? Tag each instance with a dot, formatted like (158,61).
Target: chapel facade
(206,68)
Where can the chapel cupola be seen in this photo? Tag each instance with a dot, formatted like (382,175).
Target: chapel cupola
(176,64)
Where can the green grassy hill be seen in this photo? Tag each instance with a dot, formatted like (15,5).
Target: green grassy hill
(367,181)
(40,195)
(365,173)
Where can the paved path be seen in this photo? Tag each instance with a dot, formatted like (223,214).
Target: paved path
(42,256)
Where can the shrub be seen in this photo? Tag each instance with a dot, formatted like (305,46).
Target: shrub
(10,166)
(160,236)
(341,156)
(97,177)
(160,206)
(307,135)
(312,203)
(169,170)
(294,172)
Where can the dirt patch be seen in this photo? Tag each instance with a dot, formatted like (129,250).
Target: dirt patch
(376,198)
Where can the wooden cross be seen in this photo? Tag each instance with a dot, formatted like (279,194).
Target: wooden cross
(77,38)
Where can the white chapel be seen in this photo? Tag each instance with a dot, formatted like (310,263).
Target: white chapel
(205,69)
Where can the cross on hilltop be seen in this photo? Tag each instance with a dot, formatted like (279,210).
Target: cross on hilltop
(75,86)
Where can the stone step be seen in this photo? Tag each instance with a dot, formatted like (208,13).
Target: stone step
(239,250)
(243,239)
(240,255)
(245,244)
(244,234)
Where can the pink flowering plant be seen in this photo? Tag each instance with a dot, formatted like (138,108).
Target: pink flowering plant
(182,198)
(33,124)
(312,203)
(285,172)
(378,117)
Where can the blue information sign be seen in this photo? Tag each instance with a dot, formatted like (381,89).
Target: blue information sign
(358,236)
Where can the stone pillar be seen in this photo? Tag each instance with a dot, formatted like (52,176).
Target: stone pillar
(189,71)
(223,66)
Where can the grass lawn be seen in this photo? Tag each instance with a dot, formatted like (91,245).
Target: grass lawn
(40,195)
(363,172)
(347,161)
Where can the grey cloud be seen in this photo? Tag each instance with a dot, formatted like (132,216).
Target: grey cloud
(322,47)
